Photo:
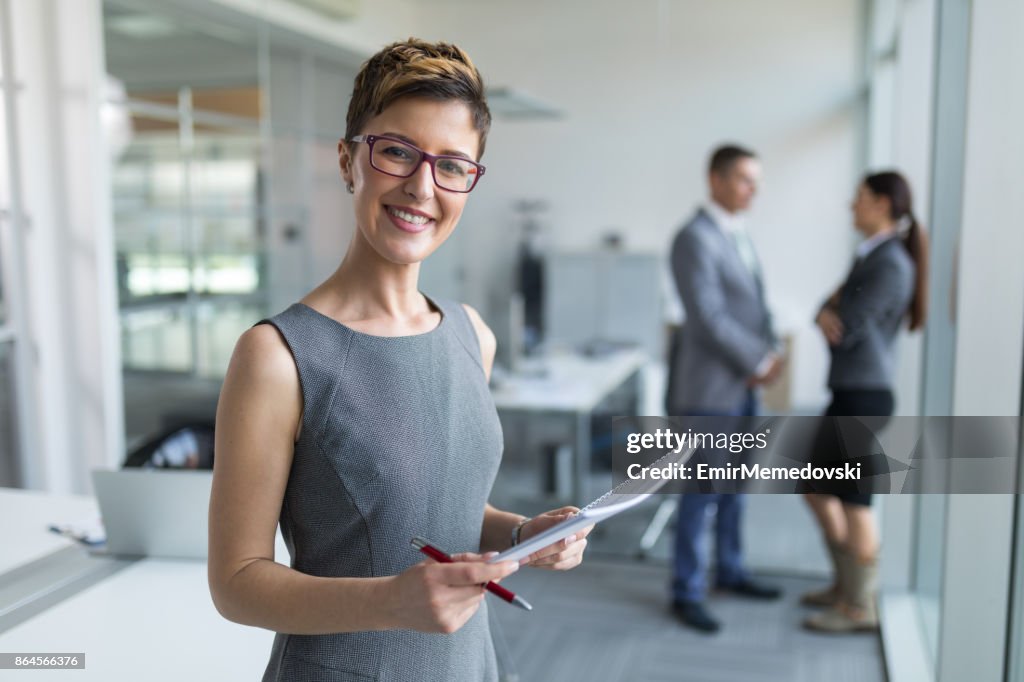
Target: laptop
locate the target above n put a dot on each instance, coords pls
(154, 512)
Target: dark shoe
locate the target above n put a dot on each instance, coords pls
(752, 589)
(694, 615)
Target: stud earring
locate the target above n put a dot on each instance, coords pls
(351, 188)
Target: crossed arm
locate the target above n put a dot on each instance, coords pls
(847, 317)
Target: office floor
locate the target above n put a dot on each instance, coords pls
(607, 621)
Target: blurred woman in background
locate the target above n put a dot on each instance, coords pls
(860, 321)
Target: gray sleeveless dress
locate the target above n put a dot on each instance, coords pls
(400, 437)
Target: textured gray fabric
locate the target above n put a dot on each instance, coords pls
(872, 304)
(400, 437)
(728, 329)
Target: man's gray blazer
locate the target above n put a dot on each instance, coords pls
(728, 329)
(872, 304)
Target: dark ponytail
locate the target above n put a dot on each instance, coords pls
(894, 186)
(916, 243)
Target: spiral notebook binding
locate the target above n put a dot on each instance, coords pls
(615, 490)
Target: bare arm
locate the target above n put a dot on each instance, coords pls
(258, 417)
(488, 344)
(496, 533)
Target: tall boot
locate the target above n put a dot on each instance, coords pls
(856, 609)
(828, 596)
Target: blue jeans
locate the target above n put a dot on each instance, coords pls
(689, 580)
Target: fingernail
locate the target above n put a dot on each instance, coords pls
(513, 566)
(490, 555)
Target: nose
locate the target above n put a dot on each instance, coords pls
(420, 185)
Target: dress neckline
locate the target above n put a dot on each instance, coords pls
(356, 332)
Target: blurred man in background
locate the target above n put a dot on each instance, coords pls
(723, 351)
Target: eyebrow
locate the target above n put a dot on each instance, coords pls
(444, 152)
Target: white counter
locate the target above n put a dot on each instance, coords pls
(153, 620)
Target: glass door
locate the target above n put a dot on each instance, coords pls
(189, 203)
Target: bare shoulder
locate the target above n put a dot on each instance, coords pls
(488, 343)
(258, 414)
(262, 349)
(262, 377)
(483, 332)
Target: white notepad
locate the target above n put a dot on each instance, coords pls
(626, 495)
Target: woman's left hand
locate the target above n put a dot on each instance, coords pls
(831, 326)
(562, 555)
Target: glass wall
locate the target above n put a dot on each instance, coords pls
(227, 195)
(961, 587)
(1016, 633)
(946, 208)
(187, 187)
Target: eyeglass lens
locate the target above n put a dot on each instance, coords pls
(396, 158)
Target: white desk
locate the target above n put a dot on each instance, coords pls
(152, 620)
(27, 538)
(571, 385)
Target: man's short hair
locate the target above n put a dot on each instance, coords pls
(724, 157)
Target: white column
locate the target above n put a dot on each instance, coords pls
(989, 339)
(69, 283)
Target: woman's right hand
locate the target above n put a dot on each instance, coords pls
(436, 597)
(831, 326)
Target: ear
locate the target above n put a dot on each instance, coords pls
(345, 161)
(884, 204)
(714, 182)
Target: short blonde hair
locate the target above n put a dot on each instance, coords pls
(416, 68)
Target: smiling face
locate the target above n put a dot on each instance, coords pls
(404, 220)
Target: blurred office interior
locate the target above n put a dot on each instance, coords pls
(170, 178)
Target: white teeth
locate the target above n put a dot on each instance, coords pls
(407, 217)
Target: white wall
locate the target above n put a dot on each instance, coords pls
(648, 89)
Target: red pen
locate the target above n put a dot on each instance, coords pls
(494, 588)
